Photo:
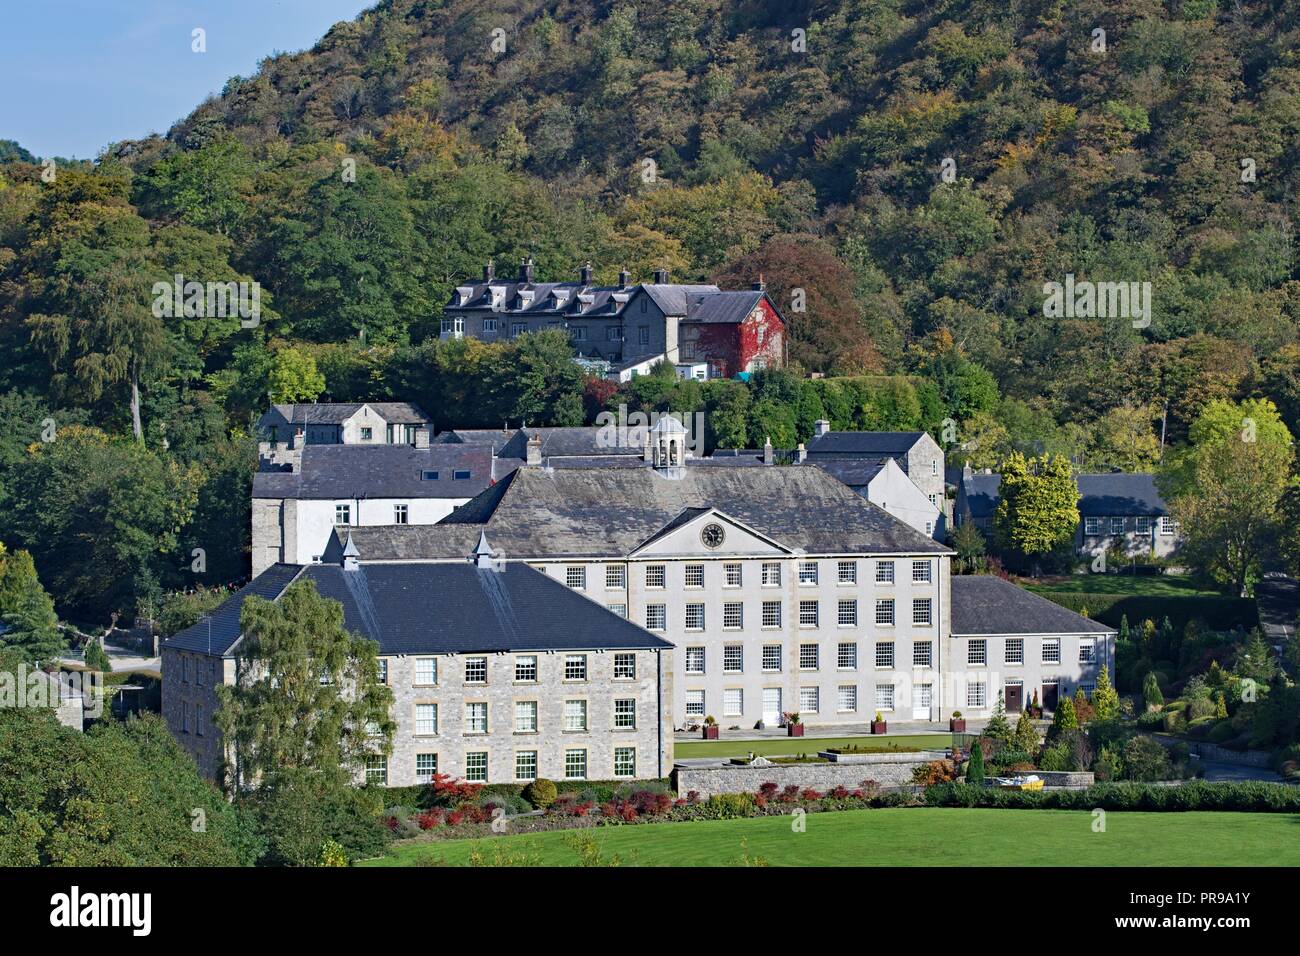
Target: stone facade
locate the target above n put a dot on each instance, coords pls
(888, 770)
(1054, 666)
(189, 699)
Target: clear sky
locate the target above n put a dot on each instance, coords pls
(76, 75)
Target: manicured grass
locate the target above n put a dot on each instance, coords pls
(788, 746)
(1154, 585)
(902, 837)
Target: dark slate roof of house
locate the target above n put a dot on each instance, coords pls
(442, 608)
(674, 299)
(590, 441)
(380, 471)
(608, 512)
(856, 473)
(985, 604)
(864, 444)
(334, 413)
(726, 307)
(219, 631)
(1119, 494)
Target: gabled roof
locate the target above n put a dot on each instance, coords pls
(725, 307)
(985, 604)
(1119, 494)
(335, 413)
(495, 437)
(589, 441)
(865, 444)
(444, 608)
(608, 512)
(674, 299)
(691, 514)
(218, 632)
(856, 473)
(381, 471)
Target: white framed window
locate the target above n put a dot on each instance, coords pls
(732, 575)
(377, 770)
(426, 765)
(695, 617)
(885, 611)
(771, 574)
(1092, 526)
(426, 671)
(977, 694)
(847, 613)
(476, 766)
(846, 572)
(655, 575)
(808, 613)
(733, 615)
(575, 765)
(476, 670)
(476, 718)
(575, 576)
(575, 715)
(934, 466)
(526, 669)
(619, 609)
(733, 659)
(695, 703)
(625, 666)
(1052, 651)
(625, 712)
(383, 670)
(809, 657)
(771, 657)
(733, 702)
(694, 575)
(625, 761)
(615, 576)
(695, 660)
(1143, 524)
(921, 611)
(771, 613)
(525, 716)
(518, 328)
(922, 653)
(920, 572)
(807, 572)
(426, 719)
(1087, 651)
(934, 500)
(977, 653)
(489, 325)
(884, 697)
(575, 666)
(342, 514)
(526, 765)
(1116, 525)
(884, 572)
(656, 617)
(400, 513)
(846, 698)
(810, 699)
(929, 528)
(1015, 650)
(1168, 525)
(885, 654)
(846, 656)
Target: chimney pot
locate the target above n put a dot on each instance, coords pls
(768, 455)
(534, 454)
(624, 278)
(584, 274)
(821, 427)
(661, 277)
(422, 437)
(526, 269)
(801, 453)
(489, 271)
(760, 285)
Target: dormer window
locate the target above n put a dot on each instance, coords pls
(497, 297)
(526, 297)
(560, 298)
(463, 294)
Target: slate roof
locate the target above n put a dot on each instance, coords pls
(441, 608)
(985, 604)
(674, 299)
(608, 512)
(335, 413)
(566, 443)
(1117, 494)
(380, 471)
(856, 473)
(727, 307)
(864, 444)
(221, 629)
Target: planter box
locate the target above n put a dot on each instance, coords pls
(711, 733)
(879, 726)
(957, 726)
(794, 730)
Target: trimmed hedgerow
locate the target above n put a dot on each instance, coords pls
(422, 796)
(1220, 613)
(1248, 796)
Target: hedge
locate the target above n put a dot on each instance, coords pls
(1219, 613)
(1249, 796)
(421, 795)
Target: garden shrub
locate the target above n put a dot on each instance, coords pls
(1249, 796)
(541, 793)
(1222, 732)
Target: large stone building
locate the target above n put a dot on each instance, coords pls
(626, 326)
(342, 423)
(499, 674)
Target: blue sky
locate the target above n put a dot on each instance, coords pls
(77, 75)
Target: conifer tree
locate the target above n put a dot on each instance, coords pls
(1151, 694)
(998, 727)
(1026, 738)
(975, 769)
(1065, 717)
(1105, 700)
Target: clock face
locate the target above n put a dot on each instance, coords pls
(712, 535)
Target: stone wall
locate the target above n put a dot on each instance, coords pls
(1208, 751)
(888, 770)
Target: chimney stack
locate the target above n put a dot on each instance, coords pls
(966, 469)
(821, 427)
(661, 277)
(526, 269)
(489, 271)
(624, 278)
(760, 285)
(534, 450)
(768, 456)
(584, 274)
(351, 556)
(801, 454)
(422, 437)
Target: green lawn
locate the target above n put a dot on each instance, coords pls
(1155, 585)
(901, 837)
(783, 746)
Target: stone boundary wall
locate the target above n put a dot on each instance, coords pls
(888, 770)
(1209, 751)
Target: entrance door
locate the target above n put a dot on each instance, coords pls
(771, 706)
(922, 701)
(1049, 696)
(1015, 698)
